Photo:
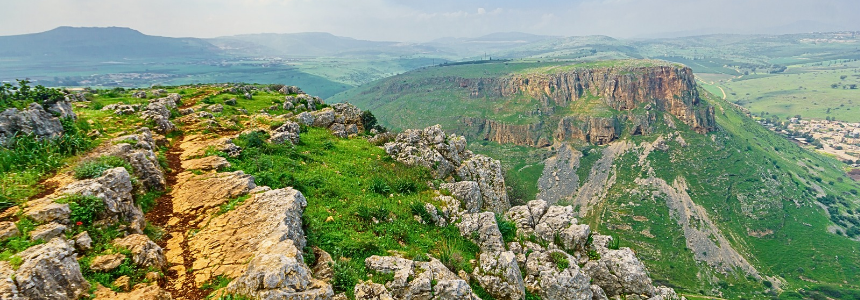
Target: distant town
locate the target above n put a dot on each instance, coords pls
(840, 139)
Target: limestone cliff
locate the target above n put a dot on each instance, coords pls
(666, 89)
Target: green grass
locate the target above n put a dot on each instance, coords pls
(84, 209)
(25, 160)
(95, 168)
(337, 183)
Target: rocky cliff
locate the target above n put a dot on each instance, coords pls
(667, 89)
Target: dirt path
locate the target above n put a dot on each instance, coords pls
(724, 92)
(176, 226)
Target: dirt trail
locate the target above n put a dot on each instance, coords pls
(724, 92)
(176, 226)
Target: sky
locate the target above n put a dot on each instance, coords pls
(425, 20)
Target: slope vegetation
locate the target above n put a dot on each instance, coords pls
(718, 204)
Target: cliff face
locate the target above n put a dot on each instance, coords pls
(664, 88)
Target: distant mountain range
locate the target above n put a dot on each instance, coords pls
(101, 44)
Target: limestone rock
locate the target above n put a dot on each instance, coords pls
(347, 114)
(598, 293)
(487, 172)
(545, 278)
(414, 279)
(144, 252)
(83, 241)
(429, 148)
(665, 293)
(47, 232)
(289, 132)
(139, 94)
(7, 230)
(619, 272)
(371, 291)
(231, 101)
(453, 289)
(114, 188)
(206, 163)
(279, 273)
(139, 150)
(499, 274)
(8, 290)
(556, 219)
(63, 109)
(158, 111)
(50, 271)
(216, 108)
(150, 292)
(230, 240)
(219, 187)
(105, 263)
(46, 210)
(323, 269)
(32, 120)
(338, 130)
(323, 118)
(483, 227)
(468, 193)
(305, 118)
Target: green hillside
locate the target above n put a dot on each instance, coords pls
(791, 214)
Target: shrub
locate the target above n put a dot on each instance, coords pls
(614, 244)
(560, 260)
(593, 255)
(95, 168)
(507, 228)
(344, 276)
(85, 209)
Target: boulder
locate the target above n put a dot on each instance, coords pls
(323, 118)
(231, 101)
(338, 130)
(279, 273)
(8, 230)
(347, 113)
(414, 279)
(554, 281)
(368, 290)
(46, 210)
(149, 292)
(47, 232)
(556, 219)
(468, 193)
(63, 109)
(499, 274)
(619, 272)
(487, 172)
(429, 148)
(83, 241)
(8, 290)
(144, 252)
(216, 108)
(158, 112)
(139, 150)
(323, 267)
(305, 118)
(287, 133)
(482, 229)
(50, 271)
(33, 120)
(105, 263)
(139, 95)
(206, 163)
(114, 188)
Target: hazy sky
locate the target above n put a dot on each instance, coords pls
(413, 20)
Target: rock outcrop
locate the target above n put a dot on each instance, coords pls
(48, 271)
(139, 151)
(158, 112)
(114, 188)
(34, 120)
(447, 156)
(415, 280)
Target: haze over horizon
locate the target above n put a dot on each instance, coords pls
(418, 21)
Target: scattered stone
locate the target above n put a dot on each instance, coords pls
(144, 252)
(206, 163)
(367, 290)
(47, 232)
(83, 241)
(216, 108)
(123, 283)
(139, 95)
(7, 230)
(289, 132)
(32, 120)
(231, 101)
(305, 118)
(186, 111)
(322, 269)
(105, 263)
(50, 269)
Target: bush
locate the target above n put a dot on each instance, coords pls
(22, 95)
(345, 276)
(560, 260)
(507, 228)
(95, 168)
(85, 209)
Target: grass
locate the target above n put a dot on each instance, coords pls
(25, 160)
(95, 168)
(560, 260)
(342, 207)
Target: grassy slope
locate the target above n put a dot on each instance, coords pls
(745, 163)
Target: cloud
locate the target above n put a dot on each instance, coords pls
(419, 20)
